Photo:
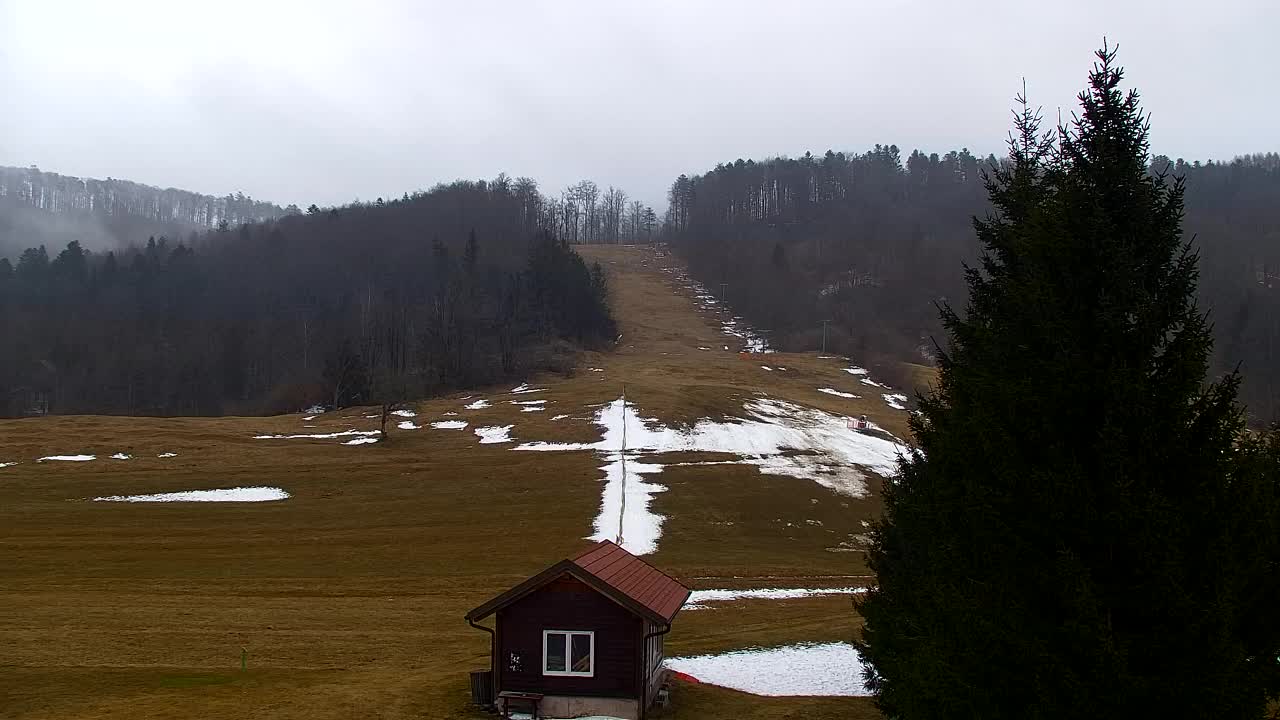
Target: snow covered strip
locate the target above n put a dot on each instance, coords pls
(699, 598)
(236, 494)
(318, 436)
(808, 669)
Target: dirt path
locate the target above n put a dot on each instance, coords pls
(348, 595)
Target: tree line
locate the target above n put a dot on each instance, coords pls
(870, 243)
(365, 303)
(44, 208)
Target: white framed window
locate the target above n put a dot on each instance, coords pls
(569, 653)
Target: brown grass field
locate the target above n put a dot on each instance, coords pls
(348, 597)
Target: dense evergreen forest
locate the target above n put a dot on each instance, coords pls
(870, 243)
(365, 303)
(44, 208)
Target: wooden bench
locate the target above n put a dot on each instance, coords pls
(506, 696)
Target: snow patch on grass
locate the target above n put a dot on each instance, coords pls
(7, 464)
(318, 436)
(404, 413)
(477, 405)
(837, 393)
(779, 438)
(408, 425)
(494, 434)
(766, 367)
(236, 494)
(810, 669)
(362, 441)
(524, 389)
(67, 458)
(698, 598)
(121, 456)
(167, 455)
(856, 371)
(449, 425)
(897, 401)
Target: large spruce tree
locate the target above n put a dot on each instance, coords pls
(1085, 530)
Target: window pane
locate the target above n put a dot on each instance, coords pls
(581, 653)
(555, 652)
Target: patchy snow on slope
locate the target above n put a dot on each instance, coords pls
(527, 402)
(309, 418)
(478, 405)
(596, 369)
(752, 341)
(810, 669)
(7, 464)
(698, 599)
(856, 371)
(404, 413)
(167, 455)
(525, 389)
(236, 494)
(121, 456)
(766, 367)
(450, 425)
(494, 434)
(873, 383)
(67, 458)
(897, 401)
(779, 438)
(362, 441)
(559, 417)
(837, 393)
(318, 436)
(408, 425)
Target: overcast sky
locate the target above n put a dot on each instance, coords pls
(327, 102)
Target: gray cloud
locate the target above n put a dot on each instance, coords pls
(325, 102)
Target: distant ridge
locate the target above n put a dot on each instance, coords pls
(45, 208)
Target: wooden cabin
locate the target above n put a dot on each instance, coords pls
(584, 636)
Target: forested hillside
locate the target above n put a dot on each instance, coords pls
(43, 208)
(870, 243)
(357, 304)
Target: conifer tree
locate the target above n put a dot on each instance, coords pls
(1084, 530)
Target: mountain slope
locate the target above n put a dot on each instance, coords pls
(349, 595)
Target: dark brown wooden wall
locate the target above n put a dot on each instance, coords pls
(568, 604)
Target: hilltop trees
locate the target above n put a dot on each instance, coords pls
(363, 304)
(1082, 531)
(43, 208)
(874, 239)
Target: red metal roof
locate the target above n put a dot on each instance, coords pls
(633, 577)
(611, 571)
